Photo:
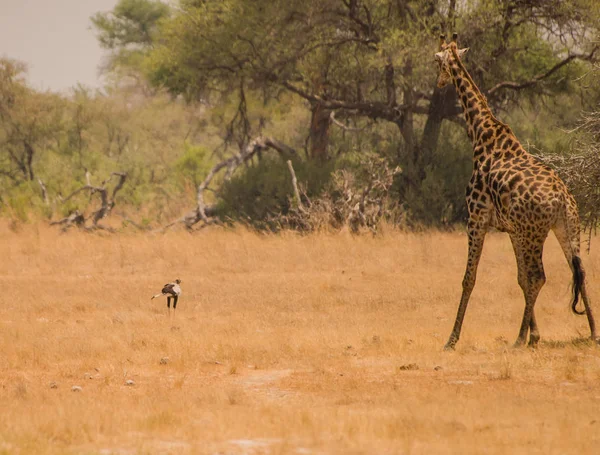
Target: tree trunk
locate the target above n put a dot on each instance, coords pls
(443, 105)
(320, 122)
(29, 160)
(408, 133)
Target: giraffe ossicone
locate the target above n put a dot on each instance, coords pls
(514, 192)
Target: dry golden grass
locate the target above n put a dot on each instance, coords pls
(285, 344)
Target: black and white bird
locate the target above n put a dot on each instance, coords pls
(171, 291)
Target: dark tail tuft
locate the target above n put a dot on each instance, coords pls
(578, 277)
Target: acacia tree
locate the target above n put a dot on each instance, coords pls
(128, 32)
(581, 169)
(370, 58)
(30, 121)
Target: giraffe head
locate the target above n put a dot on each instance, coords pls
(444, 56)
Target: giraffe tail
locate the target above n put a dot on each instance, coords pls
(578, 278)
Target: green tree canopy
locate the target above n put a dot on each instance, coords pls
(128, 31)
(372, 58)
(361, 61)
(30, 122)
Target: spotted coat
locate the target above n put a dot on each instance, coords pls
(514, 192)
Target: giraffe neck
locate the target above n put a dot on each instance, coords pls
(478, 115)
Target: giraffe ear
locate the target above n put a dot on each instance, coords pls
(439, 56)
(462, 52)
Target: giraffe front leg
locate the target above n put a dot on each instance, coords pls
(476, 237)
(534, 334)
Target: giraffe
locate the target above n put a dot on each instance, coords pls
(514, 192)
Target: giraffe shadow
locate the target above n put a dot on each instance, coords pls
(577, 342)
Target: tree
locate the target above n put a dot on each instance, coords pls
(581, 170)
(367, 66)
(371, 58)
(128, 32)
(30, 122)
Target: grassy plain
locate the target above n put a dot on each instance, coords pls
(325, 344)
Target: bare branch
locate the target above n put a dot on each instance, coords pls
(74, 219)
(202, 212)
(355, 199)
(580, 170)
(122, 177)
(540, 77)
(295, 185)
(44, 191)
(375, 109)
(106, 204)
(344, 127)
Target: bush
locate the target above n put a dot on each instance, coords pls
(263, 190)
(439, 199)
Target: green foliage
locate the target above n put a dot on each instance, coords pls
(194, 164)
(129, 30)
(131, 22)
(30, 122)
(57, 139)
(440, 199)
(18, 201)
(264, 190)
(222, 52)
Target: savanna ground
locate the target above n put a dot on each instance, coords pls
(324, 344)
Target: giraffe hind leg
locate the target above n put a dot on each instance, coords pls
(531, 280)
(534, 334)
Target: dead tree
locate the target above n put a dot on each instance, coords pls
(75, 218)
(44, 191)
(107, 203)
(297, 199)
(580, 170)
(206, 213)
(358, 200)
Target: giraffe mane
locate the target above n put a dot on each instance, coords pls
(480, 96)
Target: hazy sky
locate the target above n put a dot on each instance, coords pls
(55, 40)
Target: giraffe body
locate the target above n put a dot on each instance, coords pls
(516, 193)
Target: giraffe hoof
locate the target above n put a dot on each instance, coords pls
(449, 347)
(533, 341)
(519, 344)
